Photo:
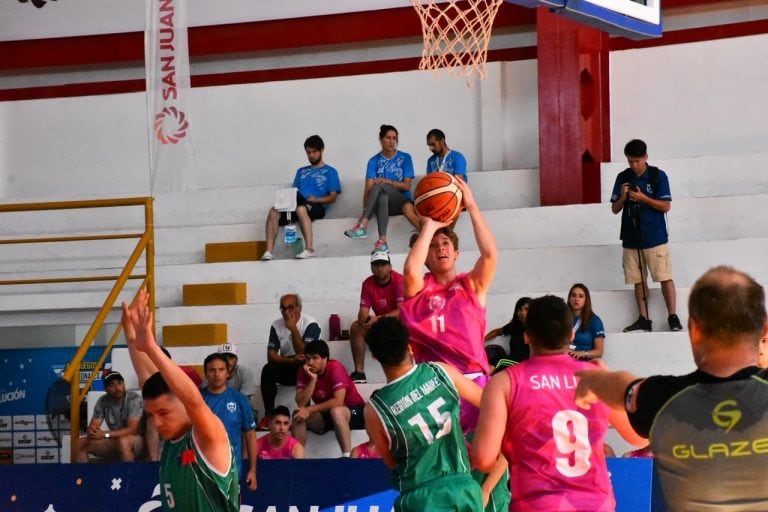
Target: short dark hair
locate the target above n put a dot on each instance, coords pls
(388, 340)
(214, 357)
(436, 133)
(549, 323)
(635, 148)
(314, 142)
(281, 410)
(728, 304)
(317, 348)
(383, 129)
(154, 387)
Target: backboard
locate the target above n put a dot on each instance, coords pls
(634, 19)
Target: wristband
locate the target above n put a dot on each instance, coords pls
(629, 394)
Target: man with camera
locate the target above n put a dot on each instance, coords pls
(641, 193)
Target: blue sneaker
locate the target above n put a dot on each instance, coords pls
(357, 233)
(380, 246)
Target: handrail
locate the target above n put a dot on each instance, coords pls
(144, 245)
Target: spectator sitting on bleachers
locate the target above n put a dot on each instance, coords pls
(588, 332)
(387, 189)
(444, 159)
(515, 329)
(366, 450)
(234, 411)
(288, 336)
(326, 398)
(381, 292)
(240, 377)
(318, 186)
(122, 411)
(279, 443)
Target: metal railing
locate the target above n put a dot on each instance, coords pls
(144, 245)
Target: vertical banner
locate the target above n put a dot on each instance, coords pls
(166, 57)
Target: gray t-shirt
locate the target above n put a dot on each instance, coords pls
(116, 413)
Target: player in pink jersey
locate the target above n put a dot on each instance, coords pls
(554, 448)
(278, 443)
(444, 310)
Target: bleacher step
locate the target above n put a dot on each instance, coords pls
(214, 294)
(194, 334)
(221, 252)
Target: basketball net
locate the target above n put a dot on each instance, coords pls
(456, 37)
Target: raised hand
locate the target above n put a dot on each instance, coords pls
(137, 322)
(468, 199)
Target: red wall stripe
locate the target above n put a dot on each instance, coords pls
(236, 38)
(512, 54)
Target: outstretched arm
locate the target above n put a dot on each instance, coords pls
(481, 276)
(142, 364)
(209, 431)
(602, 385)
(491, 424)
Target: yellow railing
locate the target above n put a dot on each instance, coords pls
(145, 245)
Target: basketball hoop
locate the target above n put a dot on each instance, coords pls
(456, 37)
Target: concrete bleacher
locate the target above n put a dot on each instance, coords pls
(541, 250)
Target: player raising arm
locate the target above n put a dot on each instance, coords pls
(444, 310)
(197, 470)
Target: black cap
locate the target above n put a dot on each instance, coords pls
(112, 374)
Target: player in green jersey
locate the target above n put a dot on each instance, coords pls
(414, 422)
(197, 470)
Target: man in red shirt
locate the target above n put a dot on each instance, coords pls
(382, 293)
(326, 398)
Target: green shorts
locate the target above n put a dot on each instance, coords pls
(453, 493)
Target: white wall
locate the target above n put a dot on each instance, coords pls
(693, 99)
(684, 100)
(248, 135)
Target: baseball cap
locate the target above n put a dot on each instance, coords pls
(112, 374)
(228, 348)
(379, 256)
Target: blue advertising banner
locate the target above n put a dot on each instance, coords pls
(313, 485)
(28, 373)
(26, 376)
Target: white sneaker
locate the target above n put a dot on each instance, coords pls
(266, 256)
(306, 253)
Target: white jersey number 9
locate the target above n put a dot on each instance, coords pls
(571, 433)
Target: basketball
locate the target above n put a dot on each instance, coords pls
(438, 197)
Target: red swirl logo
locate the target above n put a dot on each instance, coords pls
(171, 125)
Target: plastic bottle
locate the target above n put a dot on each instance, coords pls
(290, 234)
(334, 327)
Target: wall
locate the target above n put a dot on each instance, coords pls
(693, 99)
(247, 135)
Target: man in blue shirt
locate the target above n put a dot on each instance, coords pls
(641, 193)
(318, 186)
(234, 410)
(444, 158)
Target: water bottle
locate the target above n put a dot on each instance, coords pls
(334, 327)
(290, 234)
